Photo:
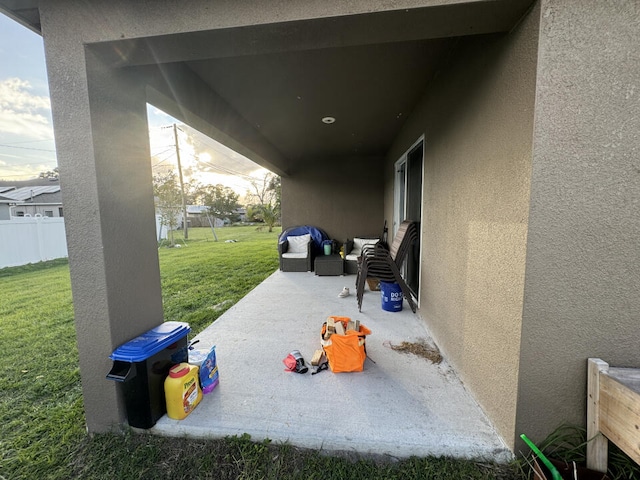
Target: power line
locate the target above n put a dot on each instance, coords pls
(171, 145)
(171, 149)
(216, 147)
(227, 170)
(205, 141)
(27, 148)
(31, 141)
(220, 168)
(159, 163)
(224, 169)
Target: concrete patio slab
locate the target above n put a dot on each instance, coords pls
(400, 405)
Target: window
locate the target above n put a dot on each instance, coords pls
(48, 213)
(60, 212)
(19, 213)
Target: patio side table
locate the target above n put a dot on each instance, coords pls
(329, 265)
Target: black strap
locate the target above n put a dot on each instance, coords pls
(321, 367)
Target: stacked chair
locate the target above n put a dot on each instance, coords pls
(378, 262)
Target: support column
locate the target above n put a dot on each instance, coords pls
(104, 159)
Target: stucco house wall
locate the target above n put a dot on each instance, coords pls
(558, 272)
(343, 196)
(583, 257)
(477, 119)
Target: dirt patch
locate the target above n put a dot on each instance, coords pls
(421, 349)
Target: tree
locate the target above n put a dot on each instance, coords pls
(266, 199)
(267, 214)
(166, 190)
(51, 175)
(194, 192)
(275, 186)
(221, 201)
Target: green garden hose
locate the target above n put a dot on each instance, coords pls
(555, 474)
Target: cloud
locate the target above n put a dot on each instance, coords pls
(22, 113)
(9, 171)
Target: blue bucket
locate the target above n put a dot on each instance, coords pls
(391, 294)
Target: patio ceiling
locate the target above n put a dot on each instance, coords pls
(369, 90)
(367, 71)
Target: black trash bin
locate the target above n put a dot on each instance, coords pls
(141, 366)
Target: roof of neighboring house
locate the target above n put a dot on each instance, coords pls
(196, 209)
(26, 193)
(6, 189)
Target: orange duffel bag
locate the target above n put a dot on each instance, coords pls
(345, 353)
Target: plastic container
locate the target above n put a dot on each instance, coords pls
(327, 245)
(182, 390)
(141, 365)
(196, 357)
(391, 295)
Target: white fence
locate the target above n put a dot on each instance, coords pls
(31, 240)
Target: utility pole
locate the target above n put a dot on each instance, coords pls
(184, 203)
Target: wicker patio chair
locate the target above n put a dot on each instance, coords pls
(296, 254)
(385, 265)
(353, 250)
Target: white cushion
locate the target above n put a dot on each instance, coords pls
(351, 258)
(298, 244)
(359, 243)
(294, 255)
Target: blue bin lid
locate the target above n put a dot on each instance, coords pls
(151, 342)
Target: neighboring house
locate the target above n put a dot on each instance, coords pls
(5, 210)
(197, 217)
(196, 211)
(241, 212)
(507, 128)
(31, 201)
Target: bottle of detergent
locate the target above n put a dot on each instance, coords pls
(182, 390)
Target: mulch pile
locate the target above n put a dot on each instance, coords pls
(421, 349)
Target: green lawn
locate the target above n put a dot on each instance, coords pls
(42, 431)
(203, 278)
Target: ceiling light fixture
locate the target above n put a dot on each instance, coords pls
(328, 120)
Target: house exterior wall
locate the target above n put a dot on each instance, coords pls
(343, 196)
(477, 119)
(46, 210)
(46, 202)
(5, 212)
(583, 261)
(41, 205)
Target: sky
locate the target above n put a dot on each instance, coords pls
(27, 144)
